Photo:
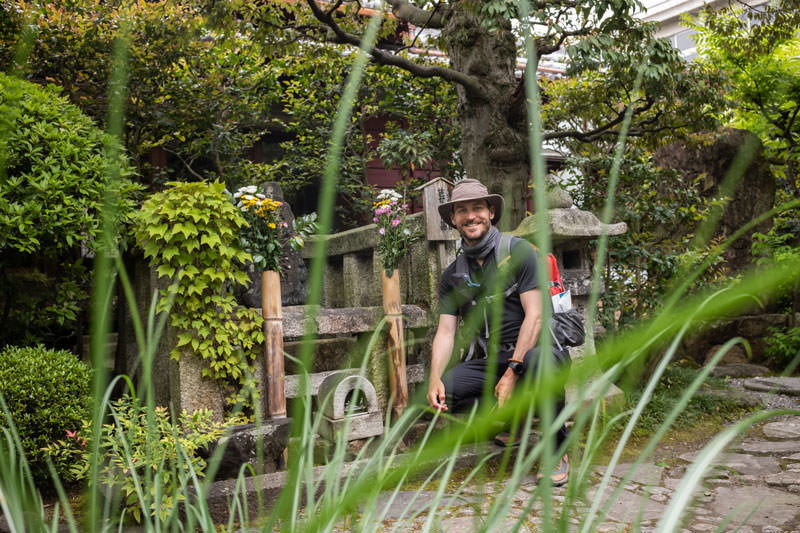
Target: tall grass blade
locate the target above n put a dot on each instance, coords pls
(103, 273)
(288, 500)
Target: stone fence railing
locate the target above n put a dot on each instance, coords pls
(352, 276)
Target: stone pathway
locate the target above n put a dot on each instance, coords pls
(756, 481)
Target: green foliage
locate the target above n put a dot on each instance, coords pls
(783, 346)
(137, 444)
(53, 182)
(422, 109)
(703, 406)
(55, 172)
(198, 97)
(661, 210)
(406, 150)
(190, 233)
(47, 394)
(759, 53)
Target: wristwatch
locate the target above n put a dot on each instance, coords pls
(516, 367)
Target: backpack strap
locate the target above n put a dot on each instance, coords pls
(502, 254)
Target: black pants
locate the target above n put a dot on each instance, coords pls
(463, 384)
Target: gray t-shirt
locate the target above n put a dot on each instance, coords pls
(455, 294)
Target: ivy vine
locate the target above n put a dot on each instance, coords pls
(190, 233)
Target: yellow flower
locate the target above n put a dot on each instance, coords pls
(272, 225)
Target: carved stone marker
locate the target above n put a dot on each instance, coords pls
(349, 400)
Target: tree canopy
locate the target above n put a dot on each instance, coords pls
(759, 52)
(607, 48)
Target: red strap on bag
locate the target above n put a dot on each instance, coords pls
(556, 285)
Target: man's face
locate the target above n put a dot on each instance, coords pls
(472, 219)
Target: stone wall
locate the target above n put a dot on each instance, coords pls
(705, 165)
(353, 272)
(753, 328)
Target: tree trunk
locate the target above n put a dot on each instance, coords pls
(493, 130)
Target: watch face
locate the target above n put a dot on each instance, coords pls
(515, 367)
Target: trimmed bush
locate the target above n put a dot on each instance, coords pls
(47, 394)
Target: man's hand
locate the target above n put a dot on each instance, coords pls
(436, 397)
(504, 387)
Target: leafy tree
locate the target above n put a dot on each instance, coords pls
(608, 47)
(199, 96)
(53, 179)
(759, 52)
(310, 90)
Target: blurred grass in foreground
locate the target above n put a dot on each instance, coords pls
(346, 495)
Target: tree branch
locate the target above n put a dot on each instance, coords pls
(407, 11)
(605, 129)
(471, 84)
(182, 160)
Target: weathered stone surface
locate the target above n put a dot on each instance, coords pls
(784, 479)
(774, 507)
(778, 385)
(740, 370)
(645, 474)
(785, 429)
(191, 391)
(328, 354)
(241, 447)
(569, 224)
(741, 464)
(343, 321)
(754, 326)
(754, 195)
(414, 374)
(558, 198)
(335, 390)
(734, 356)
(627, 506)
(769, 447)
(393, 506)
(361, 426)
(737, 396)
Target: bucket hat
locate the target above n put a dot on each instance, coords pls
(467, 190)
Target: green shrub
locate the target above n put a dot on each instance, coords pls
(124, 442)
(47, 395)
(783, 346)
(53, 180)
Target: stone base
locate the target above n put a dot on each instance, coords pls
(241, 447)
(362, 426)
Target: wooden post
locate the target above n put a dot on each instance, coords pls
(395, 347)
(273, 342)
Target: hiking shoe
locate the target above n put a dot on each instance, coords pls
(505, 439)
(560, 474)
